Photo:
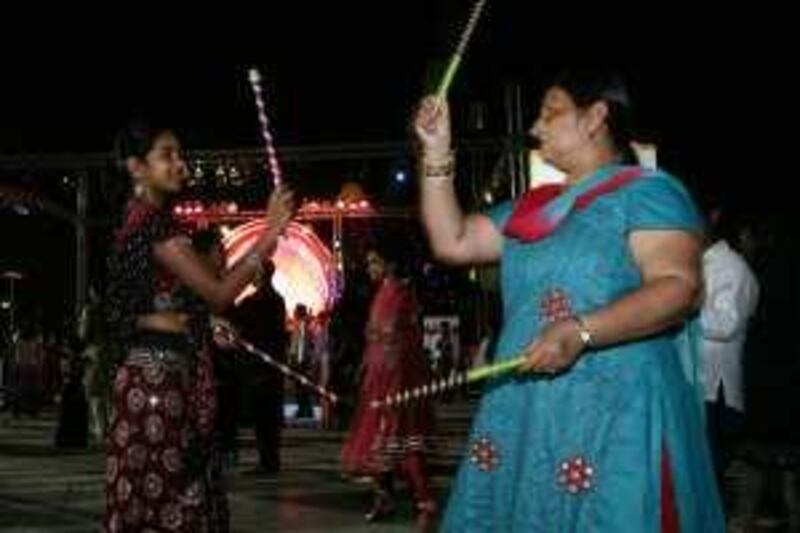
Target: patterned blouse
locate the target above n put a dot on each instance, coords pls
(138, 284)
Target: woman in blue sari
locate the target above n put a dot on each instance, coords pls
(602, 431)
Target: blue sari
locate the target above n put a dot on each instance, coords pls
(586, 450)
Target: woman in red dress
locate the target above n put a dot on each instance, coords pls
(385, 441)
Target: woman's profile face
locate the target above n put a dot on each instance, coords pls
(163, 169)
(559, 128)
(376, 266)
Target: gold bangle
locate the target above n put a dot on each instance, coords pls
(438, 179)
(439, 169)
(447, 169)
(449, 157)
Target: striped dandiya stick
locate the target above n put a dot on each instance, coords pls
(269, 144)
(285, 369)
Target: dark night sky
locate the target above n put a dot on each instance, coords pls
(350, 71)
(709, 88)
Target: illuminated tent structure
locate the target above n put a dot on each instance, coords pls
(304, 267)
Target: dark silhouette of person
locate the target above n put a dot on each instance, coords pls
(261, 320)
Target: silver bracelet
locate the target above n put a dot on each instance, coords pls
(254, 258)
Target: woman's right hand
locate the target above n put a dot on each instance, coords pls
(432, 126)
(280, 208)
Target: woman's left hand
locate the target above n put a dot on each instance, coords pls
(556, 350)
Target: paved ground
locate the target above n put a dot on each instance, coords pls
(50, 490)
(47, 490)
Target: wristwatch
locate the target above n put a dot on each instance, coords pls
(583, 332)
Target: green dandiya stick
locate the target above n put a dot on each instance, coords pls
(447, 79)
(457, 379)
(494, 370)
(455, 60)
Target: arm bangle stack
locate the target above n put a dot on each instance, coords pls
(439, 171)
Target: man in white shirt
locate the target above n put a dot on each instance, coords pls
(731, 296)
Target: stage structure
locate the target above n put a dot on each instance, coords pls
(226, 183)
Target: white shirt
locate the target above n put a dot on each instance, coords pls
(731, 296)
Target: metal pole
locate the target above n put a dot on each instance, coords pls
(520, 150)
(510, 127)
(81, 243)
(338, 252)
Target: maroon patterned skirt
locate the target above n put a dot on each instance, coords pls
(161, 472)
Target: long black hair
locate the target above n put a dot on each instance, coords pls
(204, 240)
